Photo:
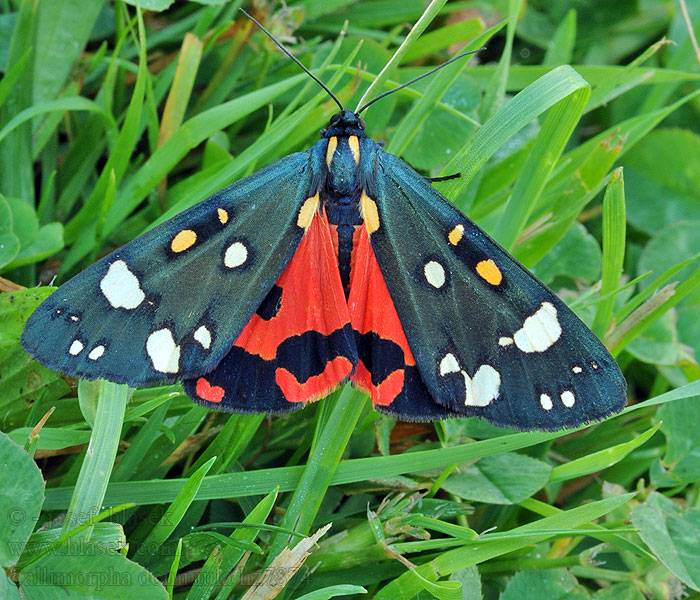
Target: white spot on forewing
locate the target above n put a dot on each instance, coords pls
(236, 254)
(96, 352)
(434, 273)
(76, 347)
(539, 331)
(121, 287)
(484, 386)
(163, 352)
(546, 402)
(505, 341)
(203, 336)
(449, 364)
(568, 399)
(576, 370)
(74, 318)
(479, 390)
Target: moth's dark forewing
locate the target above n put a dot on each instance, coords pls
(489, 339)
(169, 304)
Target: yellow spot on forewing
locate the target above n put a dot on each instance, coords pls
(307, 211)
(456, 234)
(223, 215)
(488, 270)
(330, 151)
(370, 214)
(354, 144)
(183, 240)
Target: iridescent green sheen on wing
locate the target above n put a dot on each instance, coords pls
(170, 304)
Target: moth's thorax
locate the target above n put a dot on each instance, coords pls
(342, 162)
(341, 193)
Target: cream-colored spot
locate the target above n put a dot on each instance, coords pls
(505, 341)
(479, 390)
(370, 214)
(354, 144)
(203, 336)
(568, 399)
(539, 331)
(488, 271)
(546, 402)
(576, 370)
(121, 287)
(449, 364)
(594, 365)
(223, 216)
(183, 240)
(307, 211)
(96, 352)
(456, 234)
(74, 318)
(330, 150)
(76, 347)
(434, 273)
(163, 352)
(484, 386)
(236, 254)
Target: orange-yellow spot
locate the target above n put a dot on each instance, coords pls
(488, 270)
(456, 234)
(354, 144)
(330, 151)
(223, 215)
(370, 214)
(183, 240)
(307, 211)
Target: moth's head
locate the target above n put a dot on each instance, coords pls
(345, 123)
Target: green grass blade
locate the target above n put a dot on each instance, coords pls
(646, 315)
(327, 450)
(418, 28)
(173, 515)
(599, 460)
(495, 91)
(438, 86)
(558, 126)
(446, 563)
(614, 228)
(561, 47)
(219, 564)
(533, 101)
(88, 494)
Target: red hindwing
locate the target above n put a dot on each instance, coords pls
(312, 299)
(372, 311)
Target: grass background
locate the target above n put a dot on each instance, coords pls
(577, 136)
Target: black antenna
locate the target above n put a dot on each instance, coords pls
(396, 89)
(290, 55)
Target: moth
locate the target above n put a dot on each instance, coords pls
(340, 263)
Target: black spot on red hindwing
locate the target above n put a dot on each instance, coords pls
(307, 355)
(380, 356)
(271, 305)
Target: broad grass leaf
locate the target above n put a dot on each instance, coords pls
(577, 255)
(552, 584)
(672, 534)
(659, 344)
(89, 571)
(20, 499)
(662, 175)
(681, 463)
(669, 246)
(443, 132)
(505, 478)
